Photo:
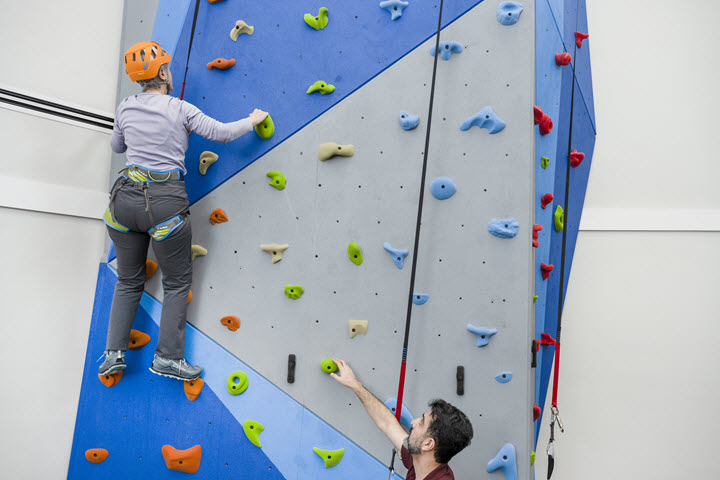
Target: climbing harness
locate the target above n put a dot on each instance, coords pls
(192, 34)
(403, 364)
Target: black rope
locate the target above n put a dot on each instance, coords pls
(192, 34)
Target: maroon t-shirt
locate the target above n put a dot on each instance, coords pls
(442, 472)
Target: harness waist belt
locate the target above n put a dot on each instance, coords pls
(143, 175)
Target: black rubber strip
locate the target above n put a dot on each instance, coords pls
(55, 113)
(28, 98)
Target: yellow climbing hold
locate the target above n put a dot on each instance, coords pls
(275, 250)
(319, 21)
(198, 251)
(328, 150)
(239, 28)
(330, 457)
(252, 431)
(357, 327)
(206, 159)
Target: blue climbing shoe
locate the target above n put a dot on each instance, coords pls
(179, 369)
(114, 362)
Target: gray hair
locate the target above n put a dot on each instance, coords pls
(153, 83)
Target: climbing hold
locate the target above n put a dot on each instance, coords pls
(562, 59)
(505, 461)
(328, 365)
(215, 1)
(579, 37)
(252, 431)
(111, 380)
(446, 49)
(576, 158)
(138, 339)
(537, 114)
(544, 162)
(559, 218)
(237, 382)
(275, 250)
(535, 299)
(266, 128)
(503, 377)
(197, 251)
(546, 124)
(291, 368)
(483, 334)
(277, 179)
(189, 297)
(398, 256)
(546, 199)
(293, 291)
(150, 269)
(240, 28)
(407, 121)
(317, 22)
(508, 13)
(420, 298)
(322, 87)
(485, 118)
(406, 417)
(330, 457)
(546, 269)
(395, 7)
(231, 322)
(221, 64)
(357, 327)
(536, 235)
(355, 253)
(218, 216)
(328, 150)
(460, 379)
(187, 461)
(207, 158)
(96, 455)
(193, 388)
(532, 458)
(442, 188)
(536, 412)
(506, 228)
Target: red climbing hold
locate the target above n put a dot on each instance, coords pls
(536, 228)
(546, 199)
(538, 113)
(576, 158)
(546, 269)
(536, 412)
(546, 124)
(562, 59)
(579, 37)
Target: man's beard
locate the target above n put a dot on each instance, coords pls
(413, 448)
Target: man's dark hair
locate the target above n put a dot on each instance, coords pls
(450, 428)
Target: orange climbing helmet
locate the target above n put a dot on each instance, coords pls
(143, 60)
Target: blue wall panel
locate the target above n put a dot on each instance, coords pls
(583, 72)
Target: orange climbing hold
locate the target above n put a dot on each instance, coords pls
(189, 297)
(96, 455)
(111, 380)
(150, 269)
(138, 339)
(215, 1)
(187, 461)
(221, 64)
(193, 388)
(218, 216)
(231, 322)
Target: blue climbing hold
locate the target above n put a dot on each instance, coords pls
(405, 416)
(483, 334)
(507, 228)
(446, 49)
(442, 188)
(407, 121)
(420, 298)
(398, 256)
(485, 118)
(505, 461)
(395, 7)
(503, 377)
(508, 13)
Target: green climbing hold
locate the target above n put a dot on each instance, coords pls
(317, 22)
(237, 382)
(328, 366)
(293, 291)
(266, 128)
(544, 162)
(532, 458)
(355, 253)
(252, 431)
(559, 217)
(322, 87)
(277, 179)
(330, 457)
(535, 299)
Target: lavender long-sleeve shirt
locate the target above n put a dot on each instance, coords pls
(154, 129)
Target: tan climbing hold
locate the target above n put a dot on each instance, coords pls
(138, 339)
(187, 461)
(150, 269)
(231, 322)
(111, 380)
(193, 388)
(206, 159)
(275, 250)
(96, 455)
(328, 150)
(240, 27)
(218, 216)
(189, 297)
(357, 327)
(198, 251)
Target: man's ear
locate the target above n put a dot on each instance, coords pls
(163, 76)
(428, 444)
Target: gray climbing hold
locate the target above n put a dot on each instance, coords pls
(406, 417)
(398, 256)
(442, 188)
(483, 334)
(420, 298)
(446, 49)
(503, 377)
(508, 13)
(407, 121)
(485, 118)
(507, 228)
(206, 159)
(395, 7)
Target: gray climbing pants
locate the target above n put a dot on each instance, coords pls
(173, 253)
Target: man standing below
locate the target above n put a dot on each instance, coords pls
(436, 437)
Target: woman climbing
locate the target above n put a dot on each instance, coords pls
(148, 202)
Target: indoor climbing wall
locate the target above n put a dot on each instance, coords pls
(300, 237)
